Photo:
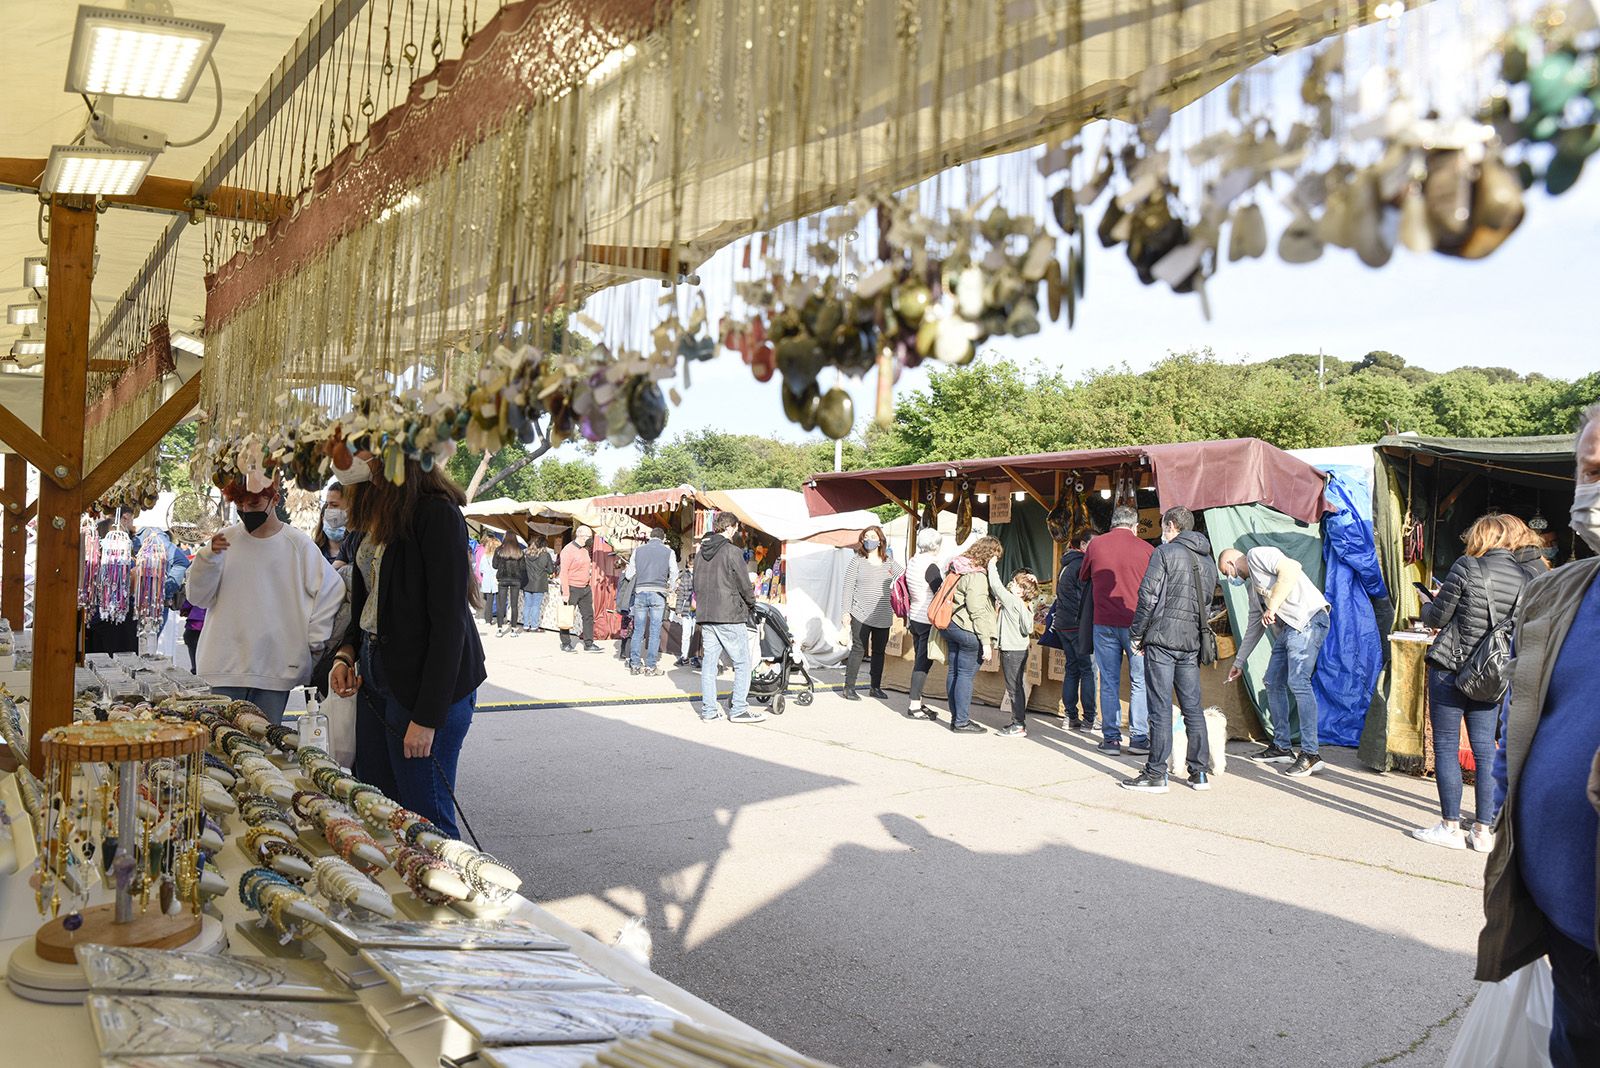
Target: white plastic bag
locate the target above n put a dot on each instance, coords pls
(1508, 1025)
(341, 713)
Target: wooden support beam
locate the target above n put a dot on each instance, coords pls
(1027, 487)
(51, 462)
(145, 437)
(911, 527)
(1057, 549)
(66, 367)
(173, 196)
(881, 488)
(1451, 498)
(655, 261)
(14, 540)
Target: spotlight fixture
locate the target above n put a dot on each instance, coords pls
(983, 498)
(188, 343)
(24, 314)
(95, 171)
(1018, 496)
(23, 347)
(130, 53)
(35, 275)
(1105, 495)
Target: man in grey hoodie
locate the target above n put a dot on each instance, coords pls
(724, 602)
(1174, 601)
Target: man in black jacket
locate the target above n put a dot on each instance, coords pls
(724, 602)
(1173, 602)
(1073, 621)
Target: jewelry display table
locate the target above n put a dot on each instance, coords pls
(417, 1035)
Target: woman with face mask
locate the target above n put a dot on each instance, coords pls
(867, 582)
(331, 525)
(270, 598)
(411, 649)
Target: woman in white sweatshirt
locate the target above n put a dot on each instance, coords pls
(270, 599)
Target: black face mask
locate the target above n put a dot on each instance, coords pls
(252, 520)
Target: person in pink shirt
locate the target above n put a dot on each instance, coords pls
(576, 572)
(1116, 562)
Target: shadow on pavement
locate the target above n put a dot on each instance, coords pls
(933, 949)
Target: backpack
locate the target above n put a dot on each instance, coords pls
(943, 608)
(900, 597)
(1486, 673)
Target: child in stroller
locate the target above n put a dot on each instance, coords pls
(769, 682)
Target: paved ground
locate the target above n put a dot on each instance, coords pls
(879, 891)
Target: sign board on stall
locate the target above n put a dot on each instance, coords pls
(1035, 667)
(1058, 665)
(999, 502)
(897, 639)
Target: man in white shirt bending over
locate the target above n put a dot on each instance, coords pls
(270, 598)
(1295, 613)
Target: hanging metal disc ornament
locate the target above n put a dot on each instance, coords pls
(836, 413)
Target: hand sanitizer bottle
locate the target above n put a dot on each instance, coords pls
(313, 722)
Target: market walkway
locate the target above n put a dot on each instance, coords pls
(879, 891)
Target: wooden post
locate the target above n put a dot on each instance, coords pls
(14, 538)
(1057, 549)
(912, 529)
(66, 369)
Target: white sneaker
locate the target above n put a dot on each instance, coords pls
(1440, 835)
(1481, 838)
(749, 715)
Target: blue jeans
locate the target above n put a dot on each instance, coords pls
(961, 667)
(1110, 644)
(1294, 661)
(1575, 1016)
(716, 639)
(1447, 706)
(648, 610)
(532, 606)
(1166, 670)
(422, 784)
(271, 702)
(1077, 684)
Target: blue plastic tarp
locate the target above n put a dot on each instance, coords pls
(1347, 671)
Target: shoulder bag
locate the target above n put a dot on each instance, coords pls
(943, 608)
(1486, 673)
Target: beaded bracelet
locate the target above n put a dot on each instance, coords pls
(272, 847)
(256, 835)
(280, 737)
(410, 864)
(311, 757)
(369, 803)
(256, 809)
(339, 881)
(344, 835)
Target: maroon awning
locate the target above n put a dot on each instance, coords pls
(1196, 475)
(647, 503)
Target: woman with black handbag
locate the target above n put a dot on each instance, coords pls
(1479, 598)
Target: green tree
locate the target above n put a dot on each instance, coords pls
(1465, 404)
(173, 455)
(1379, 404)
(712, 460)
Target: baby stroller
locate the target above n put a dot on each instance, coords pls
(769, 682)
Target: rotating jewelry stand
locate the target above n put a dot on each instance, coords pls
(46, 969)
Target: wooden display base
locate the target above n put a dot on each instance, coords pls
(149, 930)
(35, 979)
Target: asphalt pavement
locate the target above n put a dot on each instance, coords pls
(875, 890)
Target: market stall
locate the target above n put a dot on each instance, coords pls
(1243, 492)
(556, 520)
(1427, 491)
(797, 560)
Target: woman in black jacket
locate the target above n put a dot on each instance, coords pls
(1481, 589)
(540, 563)
(411, 627)
(1073, 623)
(511, 572)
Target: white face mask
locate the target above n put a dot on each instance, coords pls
(1586, 513)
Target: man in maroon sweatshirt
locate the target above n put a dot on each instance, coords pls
(1115, 562)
